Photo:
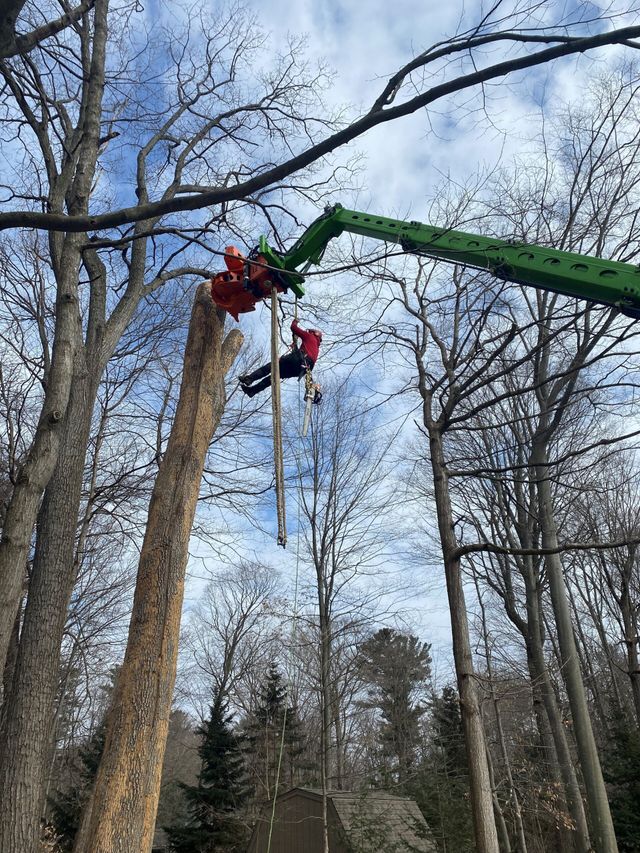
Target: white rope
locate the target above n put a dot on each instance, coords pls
(294, 627)
(277, 421)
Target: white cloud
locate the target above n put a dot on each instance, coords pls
(366, 43)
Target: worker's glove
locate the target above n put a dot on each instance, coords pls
(317, 397)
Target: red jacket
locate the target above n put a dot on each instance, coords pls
(310, 343)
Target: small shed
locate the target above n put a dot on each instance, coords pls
(358, 823)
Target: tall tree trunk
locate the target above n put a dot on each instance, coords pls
(326, 704)
(12, 655)
(501, 824)
(540, 677)
(27, 730)
(38, 467)
(562, 752)
(602, 831)
(340, 740)
(72, 188)
(586, 666)
(484, 824)
(513, 794)
(121, 815)
(631, 640)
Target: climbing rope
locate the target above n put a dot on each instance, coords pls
(277, 421)
(292, 645)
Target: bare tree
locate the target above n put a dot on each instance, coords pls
(607, 583)
(503, 509)
(88, 331)
(342, 493)
(68, 115)
(228, 629)
(451, 334)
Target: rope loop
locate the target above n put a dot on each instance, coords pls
(276, 411)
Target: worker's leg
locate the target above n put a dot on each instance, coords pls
(291, 365)
(252, 390)
(248, 378)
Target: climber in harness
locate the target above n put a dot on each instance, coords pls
(298, 362)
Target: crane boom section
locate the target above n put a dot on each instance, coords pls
(582, 276)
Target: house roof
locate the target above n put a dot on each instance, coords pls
(396, 820)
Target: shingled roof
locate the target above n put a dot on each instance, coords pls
(370, 820)
(399, 816)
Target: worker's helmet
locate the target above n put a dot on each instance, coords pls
(317, 333)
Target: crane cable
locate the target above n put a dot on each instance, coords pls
(294, 627)
(276, 411)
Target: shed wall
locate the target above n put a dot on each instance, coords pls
(297, 828)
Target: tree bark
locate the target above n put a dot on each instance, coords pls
(575, 806)
(485, 833)
(501, 824)
(631, 647)
(121, 816)
(326, 704)
(12, 654)
(602, 831)
(513, 793)
(71, 185)
(9, 11)
(40, 463)
(540, 677)
(27, 730)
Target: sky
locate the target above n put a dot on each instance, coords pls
(403, 162)
(366, 42)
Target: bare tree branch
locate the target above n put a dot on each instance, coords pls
(12, 44)
(378, 115)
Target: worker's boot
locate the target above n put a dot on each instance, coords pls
(260, 373)
(252, 390)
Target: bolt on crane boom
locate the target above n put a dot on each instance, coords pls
(249, 280)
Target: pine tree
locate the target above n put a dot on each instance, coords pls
(213, 804)
(622, 774)
(263, 736)
(66, 806)
(74, 781)
(396, 667)
(441, 786)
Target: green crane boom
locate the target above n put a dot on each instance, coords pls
(585, 277)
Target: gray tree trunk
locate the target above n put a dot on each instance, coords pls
(484, 824)
(24, 741)
(540, 677)
(71, 185)
(562, 752)
(513, 793)
(602, 831)
(631, 640)
(38, 467)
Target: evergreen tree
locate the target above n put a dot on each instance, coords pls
(622, 774)
(396, 667)
(72, 787)
(441, 786)
(263, 736)
(214, 824)
(66, 806)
